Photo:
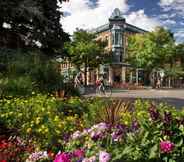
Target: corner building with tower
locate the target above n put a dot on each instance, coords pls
(116, 33)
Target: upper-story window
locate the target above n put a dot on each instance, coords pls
(116, 36)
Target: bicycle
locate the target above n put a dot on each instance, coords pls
(104, 90)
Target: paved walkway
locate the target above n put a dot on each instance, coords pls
(174, 97)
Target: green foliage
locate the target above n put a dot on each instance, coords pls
(29, 71)
(32, 21)
(86, 52)
(39, 118)
(108, 111)
(16, 86)
(151, 50)
(46, 122)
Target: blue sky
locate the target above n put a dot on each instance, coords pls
(146, 14)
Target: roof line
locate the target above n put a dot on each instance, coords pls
(136, 27)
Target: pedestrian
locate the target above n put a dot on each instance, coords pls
(158, 83)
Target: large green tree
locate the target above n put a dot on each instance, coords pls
(152, 49)
(31, 23)
(179, 53)
(85, 52)
(152, 52)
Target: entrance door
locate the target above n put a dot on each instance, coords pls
(117, 73)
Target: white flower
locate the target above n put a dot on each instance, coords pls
(6, 25)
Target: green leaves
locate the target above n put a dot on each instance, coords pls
(85, 50)
(153, 152)
(152, 49)
(32, 21)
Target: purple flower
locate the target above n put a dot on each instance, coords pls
(121, 127)
(166, 146)
(118, 132)
(154, 113)
(104, 156)
(62, 157)
(167, 132)
(167, 118)
(66, 137)
(98, 131)
(134, 125)
(117, 135)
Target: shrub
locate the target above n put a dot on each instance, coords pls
(38, 118)
(27, 71)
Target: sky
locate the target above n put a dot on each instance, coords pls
(146, 14)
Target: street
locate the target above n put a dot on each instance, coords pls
(174, 97)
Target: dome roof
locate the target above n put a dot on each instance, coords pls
(116, 14)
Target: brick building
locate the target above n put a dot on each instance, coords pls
(116, 32)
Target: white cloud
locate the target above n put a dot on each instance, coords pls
(140, 19)
(167, 16)
(179, 35)
(176, 5)
(182, 23)
(83, 16)
(166, 2)
(168, 22)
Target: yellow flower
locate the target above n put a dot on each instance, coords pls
(37, 120)
(126, 122)
(28, 130)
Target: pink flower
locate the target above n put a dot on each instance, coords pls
(62, 157)
(104, 156)
(166, 146)
(79, 153)
(76, 135)
(91, 159)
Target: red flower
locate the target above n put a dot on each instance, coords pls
(3, 161)
(4, 144)
(51, 154)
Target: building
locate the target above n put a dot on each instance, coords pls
(116, 32)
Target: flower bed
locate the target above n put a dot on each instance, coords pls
(96, 130)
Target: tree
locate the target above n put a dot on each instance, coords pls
(31, 23)
(179, 53)
(28, 71)
(152, 49)
(86, 52)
